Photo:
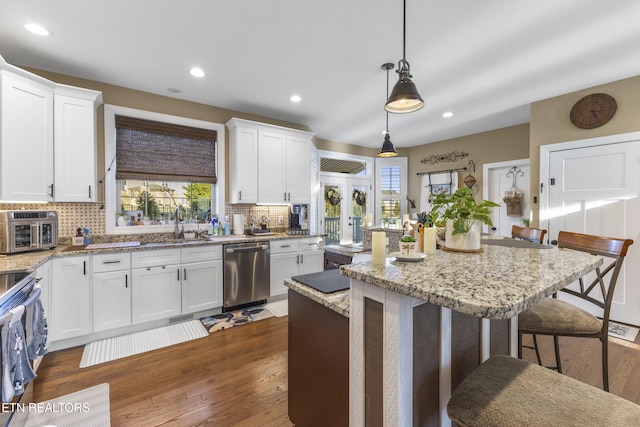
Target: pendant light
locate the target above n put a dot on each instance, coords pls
(404, 96)
(387, 149)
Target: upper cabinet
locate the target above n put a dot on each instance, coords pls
(268, 164)
(75, 144)
(26, 138)
(47, 139)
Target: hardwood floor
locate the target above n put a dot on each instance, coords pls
(238, 377)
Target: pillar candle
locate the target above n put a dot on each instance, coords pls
(369, 220)
(429, 240)
(405, 218)
(378, 247)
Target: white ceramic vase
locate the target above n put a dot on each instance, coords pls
(408, 248)
(467, 241)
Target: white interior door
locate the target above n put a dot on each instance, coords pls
(594, 190)
(500, 178)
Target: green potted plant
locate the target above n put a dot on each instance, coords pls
(462, 218)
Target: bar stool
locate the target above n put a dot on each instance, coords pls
(505, 391)
(560, 318)
(535, 235)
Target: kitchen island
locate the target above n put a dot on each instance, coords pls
(416, 330)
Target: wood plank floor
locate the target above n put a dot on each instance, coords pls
(238, 377)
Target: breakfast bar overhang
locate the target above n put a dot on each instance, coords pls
(417, 329)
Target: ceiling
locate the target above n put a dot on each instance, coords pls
(485, 61)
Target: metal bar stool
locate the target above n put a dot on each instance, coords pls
(560, 318)
(505, 391)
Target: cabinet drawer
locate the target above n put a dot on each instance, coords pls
(201, 254)
(111, 262)
(283, 246)
(310, 243)
(155, 258)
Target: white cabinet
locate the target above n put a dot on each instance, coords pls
(26, 138)
(155, 285)
(70, 298)
(43, 278)
(75, 144)
(111, 283)
(201, 278)
(52, 129)
(291, 257)
(281, 157)
(243, 164)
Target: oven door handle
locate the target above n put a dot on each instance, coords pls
(35, 235)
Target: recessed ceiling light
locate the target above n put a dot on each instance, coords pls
(38, 29)
(197, 72)
(447, 114)
(295, 98)
(174, 90)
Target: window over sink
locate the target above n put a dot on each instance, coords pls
(156, 162)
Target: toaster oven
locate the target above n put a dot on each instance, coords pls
(23, 230)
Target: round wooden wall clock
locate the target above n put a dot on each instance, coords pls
(593, 110)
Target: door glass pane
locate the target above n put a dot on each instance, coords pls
(332, 199)
(47, 234)
(358, 210)
(22, 235)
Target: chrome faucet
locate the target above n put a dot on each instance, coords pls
(179, 217)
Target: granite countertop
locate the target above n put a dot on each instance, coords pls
(497, 283)
(336, 301)
(348, 250)
(29, 261)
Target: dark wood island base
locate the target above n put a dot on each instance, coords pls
(318, 364)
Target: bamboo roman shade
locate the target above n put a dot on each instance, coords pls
(152, 150)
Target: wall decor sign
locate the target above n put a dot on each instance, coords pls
(442, 158)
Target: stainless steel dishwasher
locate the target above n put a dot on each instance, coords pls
(246, 275)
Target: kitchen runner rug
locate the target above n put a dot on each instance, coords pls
(232, 318)
(625, 332)
(278, 308)
(140, 342)
(86, 408)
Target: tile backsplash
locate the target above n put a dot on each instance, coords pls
(92, 216)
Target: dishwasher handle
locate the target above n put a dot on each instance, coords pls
(251, 249)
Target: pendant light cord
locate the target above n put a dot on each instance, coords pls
(387, 129)
(404, 31)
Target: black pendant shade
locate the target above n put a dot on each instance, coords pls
(404, 96)
(387, 149)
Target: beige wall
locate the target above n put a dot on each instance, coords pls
(550, 123)
(509, 143)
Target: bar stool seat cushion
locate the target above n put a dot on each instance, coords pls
(552, 316)
(505, 391)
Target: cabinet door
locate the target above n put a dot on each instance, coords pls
(272, 174)
(75, 150)
(111, 300)
(201, 286)
(26, 140)
(155, 293)
(243, 165)
(283, 266)
(298, 170)
(70, 298)
(311, 262)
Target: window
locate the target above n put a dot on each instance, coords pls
(155, 163)
(391, 189)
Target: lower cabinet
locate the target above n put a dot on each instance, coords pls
(201, 278)
(155, 293)
(111, 284)
(70, 298)
(291, 257)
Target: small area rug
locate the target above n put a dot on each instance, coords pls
(278, 308)
(139, 342)
(86, 408)
(233, 318)
(625, 332)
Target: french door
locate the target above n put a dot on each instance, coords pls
(346, 203)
